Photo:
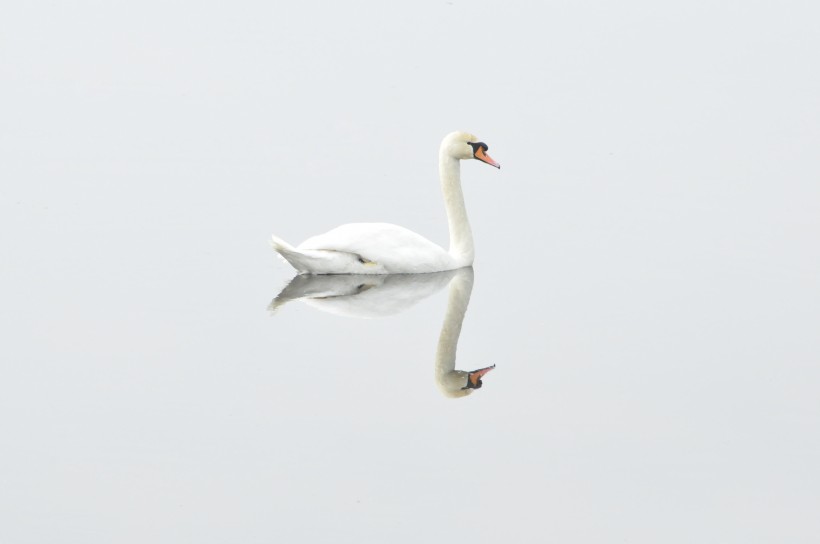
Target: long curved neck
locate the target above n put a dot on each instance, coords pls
(461, 237)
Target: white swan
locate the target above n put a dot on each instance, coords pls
(382, 248)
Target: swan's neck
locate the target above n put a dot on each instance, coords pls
(461, 237)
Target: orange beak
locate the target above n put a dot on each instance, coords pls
(481, 155)
(474, 377)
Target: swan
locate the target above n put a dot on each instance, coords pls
(382, 248)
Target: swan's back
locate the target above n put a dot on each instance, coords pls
(395, 249)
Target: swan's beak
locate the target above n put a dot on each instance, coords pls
(481, 155)
(474, 378)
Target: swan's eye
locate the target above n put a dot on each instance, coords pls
(478, 146)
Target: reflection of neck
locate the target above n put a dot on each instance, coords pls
(450, 380)
(461, 237)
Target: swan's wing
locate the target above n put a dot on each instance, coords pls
(324, 261)
(395, 248)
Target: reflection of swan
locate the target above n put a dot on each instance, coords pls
(360, 295)
(382, 248)
(379, 296)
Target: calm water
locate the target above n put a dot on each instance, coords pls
(645, 281)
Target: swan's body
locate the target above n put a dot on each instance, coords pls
(382, 248)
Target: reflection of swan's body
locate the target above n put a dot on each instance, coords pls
(382, 248)
(379, 296)
(358, 295)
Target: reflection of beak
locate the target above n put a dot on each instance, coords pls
(474, 377)
(481, 155)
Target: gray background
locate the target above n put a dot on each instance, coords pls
(646, 272)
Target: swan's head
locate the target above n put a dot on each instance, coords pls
(463, 146)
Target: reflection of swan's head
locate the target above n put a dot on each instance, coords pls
(463, 146)
(460, 383)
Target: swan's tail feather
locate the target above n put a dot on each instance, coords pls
(305, 261)
(289, 253)
(279, 244)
